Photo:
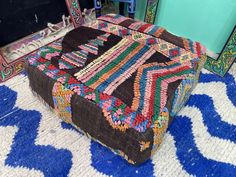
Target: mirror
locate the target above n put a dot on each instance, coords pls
(25, 28)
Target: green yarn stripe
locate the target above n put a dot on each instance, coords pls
(112, 64)
(158, 90)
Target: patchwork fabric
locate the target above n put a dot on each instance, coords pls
(166, 48)
(151, 83)
(109, 71)
(62, 98)
(51, 50)
(76, 58)
(120, 81)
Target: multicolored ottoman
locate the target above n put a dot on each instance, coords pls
(119, 81)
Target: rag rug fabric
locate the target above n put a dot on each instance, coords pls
(119, 81)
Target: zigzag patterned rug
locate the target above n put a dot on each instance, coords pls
(200, 142)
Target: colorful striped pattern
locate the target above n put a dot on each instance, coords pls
(110, 70)
(130, 56)
(61, 99)
(51, 50)
(168, 49)
(128, 81)
(65, 65)
(114, 18)
(110, 105)
(78, 58)
(151, 84)
(73, 59)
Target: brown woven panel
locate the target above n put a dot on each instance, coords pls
(90, 118)
(41, 84)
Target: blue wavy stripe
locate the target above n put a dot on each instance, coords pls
(67, 126)
(228, 80)
(216, 127)
(190, 157)
(6, 101)
(105, 161)
(24, 152)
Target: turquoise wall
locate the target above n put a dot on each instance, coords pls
(207, 21)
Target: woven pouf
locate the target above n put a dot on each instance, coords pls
(119, 81)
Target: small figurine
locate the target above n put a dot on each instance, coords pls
(89, 16)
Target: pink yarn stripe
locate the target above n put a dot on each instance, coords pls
(79, 56)
(92, 70)
(58, 47)
(71, 61)
(95, 52)
(104, 63)
(147, 94)
(110, 18)
(113, 85)
(163, 99)
(48, 56)
(149, 82)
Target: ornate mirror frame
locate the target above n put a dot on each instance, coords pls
(11, 66)
(223, 63)
(151, 11)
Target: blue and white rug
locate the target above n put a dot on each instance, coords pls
(200, 142)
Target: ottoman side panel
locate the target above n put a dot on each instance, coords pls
(130, 144)
(41, 84)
